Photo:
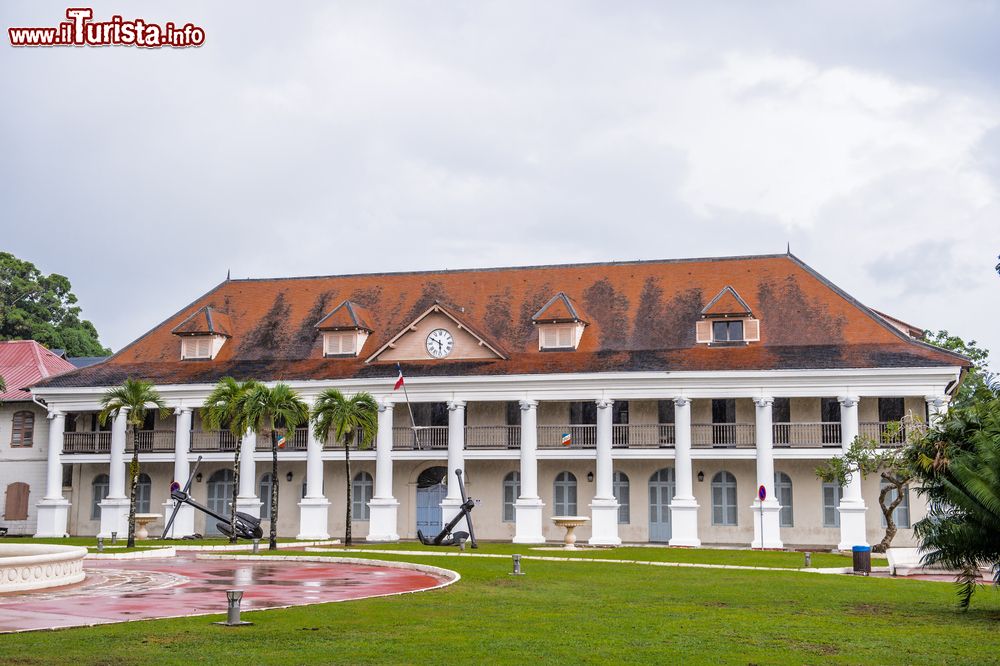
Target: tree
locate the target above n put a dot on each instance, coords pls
(975, 384)
(279, 410)
(134, 397)
(958, 464)
(225, 409)
(867, 456)
(349, 419)
(39, 307)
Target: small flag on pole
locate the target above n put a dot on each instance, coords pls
(281, 441)
(399, 379)
(567, 439)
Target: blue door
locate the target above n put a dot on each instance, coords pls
(661, 491)
(431, 490)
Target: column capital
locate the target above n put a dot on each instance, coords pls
(178, 409)
(385, 405)
(937, 401)
(454, 405)
(681, 400)
(604, 403)
(528, 404)
(53, 413)
(763, 401)
(848, 400)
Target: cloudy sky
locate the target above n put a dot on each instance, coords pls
(366, 137)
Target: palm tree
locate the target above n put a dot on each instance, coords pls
(350, 419)
(135, 396)
(224, 410)
(276, 409)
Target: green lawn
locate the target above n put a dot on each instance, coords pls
(563, 612)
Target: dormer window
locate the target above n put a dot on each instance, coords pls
(345, 330)
(727, 331)
(727, 320)
(343, 343)
(203, 334)
(560, 324)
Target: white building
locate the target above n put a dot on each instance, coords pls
(653, 397)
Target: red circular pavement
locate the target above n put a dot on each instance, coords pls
(121, 590)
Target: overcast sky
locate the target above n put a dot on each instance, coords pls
(332, 138)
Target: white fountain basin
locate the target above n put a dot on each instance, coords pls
(34, 566)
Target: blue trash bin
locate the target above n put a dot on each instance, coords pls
(862, 559)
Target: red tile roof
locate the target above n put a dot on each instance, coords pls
(347, 316)
(642, 317)
(206, 321)
(24, 363)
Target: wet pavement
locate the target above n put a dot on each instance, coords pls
(122, 590)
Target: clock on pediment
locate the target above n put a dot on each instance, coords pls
(439, 343)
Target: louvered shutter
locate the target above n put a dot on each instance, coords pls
(548, 337)
(22, 430)
(16, 504)
(204, 347)
(751, 330)
(703, 331)
(565, 337)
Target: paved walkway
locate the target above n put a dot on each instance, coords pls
(122, 590)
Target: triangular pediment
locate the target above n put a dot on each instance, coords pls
(410, 343)
(206, 321)
(727, 303)
(347, 316)
(559, 309)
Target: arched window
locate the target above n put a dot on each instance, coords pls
(564, 491)
(783, 493)
(724, 499)
(16, 502)
(143, 490)
(220, 497)
(264, 494)
(99, 487)
(23, 431)
(619, 486)
(901, 514)
(362, 491)
(832, 494)
(511, 491)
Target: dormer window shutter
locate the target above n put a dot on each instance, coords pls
(703, 332)
(751, 330)
(549, 337)
(204, 349)
(564, 337)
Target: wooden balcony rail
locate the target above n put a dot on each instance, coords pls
(723, 435)
(152, 440)
(213, 440)
(87, 442)
(643, 435)
(493, 437)
(881, 431)
(430, 438)
(806, 434)
(298, 441)
(581, 436)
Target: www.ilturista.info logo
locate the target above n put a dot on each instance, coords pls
(80, 30)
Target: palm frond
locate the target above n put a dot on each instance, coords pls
(134, 396)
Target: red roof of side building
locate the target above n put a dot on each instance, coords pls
(25, 362)
(641, 316)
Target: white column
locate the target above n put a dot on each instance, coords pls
(456, 460)
(604, 507)
(528, 507)
(184, 521)
(314, 508)
(937, 407)
(384, 507)
(853, 531)
(114, 508)
(683, 507)
(53, 509)
(246, 495)
(766, 514)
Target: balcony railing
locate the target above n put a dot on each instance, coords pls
(885, 432)
(493, 437)
(426, 438)
(723, 435)
(643, 435)
(152, 440)
(213, 440)
(555, 436)
(806, 434)
(297, 441)
(86, 442)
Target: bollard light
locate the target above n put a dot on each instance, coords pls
(234, 597)
(100, 544)
(809, 559)
(517, 565)
(256, 546)
(114, 537)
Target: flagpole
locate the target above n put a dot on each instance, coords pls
(406, 396)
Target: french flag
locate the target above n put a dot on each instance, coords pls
(399, 379)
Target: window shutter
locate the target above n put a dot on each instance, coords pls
(22, 428)
(204, 347)
(703, 332)
(16, 505)
(751, 330)
(347, 342)
(548, 337)
(565, 338)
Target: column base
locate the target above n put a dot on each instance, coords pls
(450, 509)
(528, 520)
(53, 516)
(604, 522)
(684, 522)
(114, 517)
(772, 525)
(314, 518)
(183, 523)
(853, 530)
(382, 521)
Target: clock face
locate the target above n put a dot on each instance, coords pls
(440, 343)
